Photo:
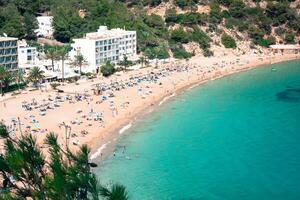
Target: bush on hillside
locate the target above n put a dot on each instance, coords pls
(207, 53)
(179, 52)
(289, 38)
(179, 35)
(171, 16)
(228, 41)
(183, 4)
(201, 38)
(159, 52)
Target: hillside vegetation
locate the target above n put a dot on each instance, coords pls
(179, 28)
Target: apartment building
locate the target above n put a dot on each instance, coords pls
(45, 28)
(9, 53)
(105, 45)
(26, 54)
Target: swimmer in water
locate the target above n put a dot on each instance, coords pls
(124, 148)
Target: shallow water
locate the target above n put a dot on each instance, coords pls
(233, 138)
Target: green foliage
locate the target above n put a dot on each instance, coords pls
(191, 18)
(155, 21)
(108, 69)
(179, 52)
(52, 54)
(271, 40)
(207, 53)
(35, 75)
(3, 131)
(236, 9)
(262, 42)
(17, 18)
(79, 61)
(125, 62)
(186, 3)
(67, 24)
(215, 15)
(228, 41)
(159, 52)
(151, 2)
(171, 16)
(201, 38)
(179, 35)
(289, 38)
(63, 175)
(30, 24)
(280, 31)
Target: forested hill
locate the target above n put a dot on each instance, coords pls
(179, 28)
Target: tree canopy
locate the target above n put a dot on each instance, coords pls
(27, 173)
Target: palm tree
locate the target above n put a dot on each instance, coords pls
(63, 54)
(18, 77)
(51, 53)
(142, 60)
(35, 75)
(79, 61)
(125, 62)
(3, 74)
(116, 192)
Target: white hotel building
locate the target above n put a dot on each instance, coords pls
(45, 28)
(105, 45)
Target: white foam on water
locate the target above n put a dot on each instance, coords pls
(166, 98)
(124, 128)
(98, 152)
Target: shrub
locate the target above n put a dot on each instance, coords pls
(289, 38)
(155, 21)
(201, 38)
(184, 3)
(171, 16)
(280, 31)
(108, 69)
(262, 42)
(271, 40)
(215, 13)
(179, 35)
(207, 53)
(228, 41)
(179, 52)
(160, 52)
(54, 85)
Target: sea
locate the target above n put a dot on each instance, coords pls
(234, 138)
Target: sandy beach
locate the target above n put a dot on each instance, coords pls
(79, 116)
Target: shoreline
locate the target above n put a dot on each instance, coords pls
(130, 104)
(107, 148)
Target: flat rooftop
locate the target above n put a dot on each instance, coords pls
(7, 38)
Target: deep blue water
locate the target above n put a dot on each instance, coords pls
(235, 138)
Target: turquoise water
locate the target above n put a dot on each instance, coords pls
(233, 138)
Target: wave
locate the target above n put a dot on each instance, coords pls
(166, 98)
(124, 128)
(98, 152)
